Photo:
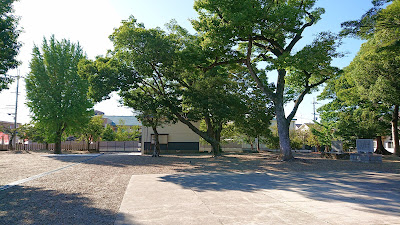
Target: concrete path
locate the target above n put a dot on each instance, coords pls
(270, 198)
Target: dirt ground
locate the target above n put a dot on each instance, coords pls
(91, 190)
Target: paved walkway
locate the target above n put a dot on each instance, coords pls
(255, 198)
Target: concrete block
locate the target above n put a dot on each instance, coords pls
(366, 157)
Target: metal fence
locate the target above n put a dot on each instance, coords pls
(119, 146)
(66, 145)
(102, 146)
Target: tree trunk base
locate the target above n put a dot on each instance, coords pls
(287, 158)
(383, 151)
(155, 155)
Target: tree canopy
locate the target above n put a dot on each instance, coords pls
(367, 97)
(164, 69)
(9, 45)
(253, 31)
(56, 94)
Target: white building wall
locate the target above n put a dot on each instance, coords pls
(177, 132)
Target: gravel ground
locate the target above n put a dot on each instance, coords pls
(91, 192)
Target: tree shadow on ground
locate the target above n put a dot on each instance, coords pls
(377, 192)
(259, 162)
(29, 205)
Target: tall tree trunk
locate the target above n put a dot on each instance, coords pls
(214, 131)
(88, 145)
(156, 149)
(11, 141)
(283, 133)
(281, 121)
(57, 148)
(395, 132)
(10, 145)
(380, 149)
(215, 145)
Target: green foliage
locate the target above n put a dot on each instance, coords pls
(272, 140)
(9, 45)
(163, 78)
(350, 113)
(256, 121)
(364, 27)
(296, 139)
(375, 68)
(123, 133)
(127, 133)
(322, 135)
(32, 132)
(108, 134)
(57, 96)
(105, 75)
(363, 96)
(92, 130)
(253, 31)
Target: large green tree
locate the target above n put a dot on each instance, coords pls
(376, 67)
(249, 32)
(352, 114)
(56, 94)
(9, 45)
(167, 67)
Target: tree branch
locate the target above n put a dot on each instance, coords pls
(299, 33)
(278, 50)
(301, 96)
(159, 77)
(153, 87)
(253, 74)
(220, 15)
(268, 48)
(216, 63)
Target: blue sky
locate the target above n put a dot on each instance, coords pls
(91, 22)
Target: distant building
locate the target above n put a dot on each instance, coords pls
(4, 136)
(98, 113)
(387, 142)
(292, 125)
(172, 138)
(123, 120)
(304, 126)
(115, 121)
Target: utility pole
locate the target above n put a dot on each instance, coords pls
(15, 114)
(315, 113)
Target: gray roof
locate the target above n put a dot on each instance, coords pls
(123, 120)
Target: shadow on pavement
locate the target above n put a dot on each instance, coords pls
(28, 205)
(375, 191)
(260, 162)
